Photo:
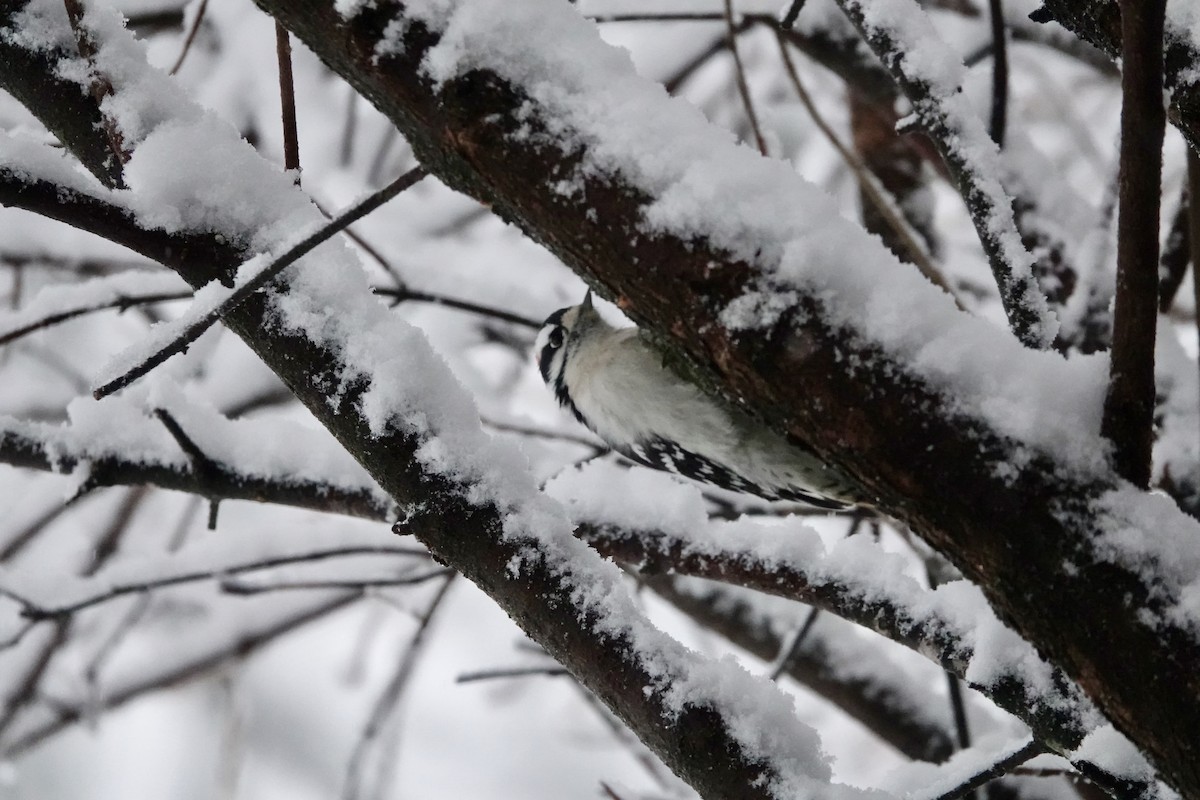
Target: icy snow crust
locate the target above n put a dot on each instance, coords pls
(191, 171)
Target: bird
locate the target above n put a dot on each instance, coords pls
(614, 381)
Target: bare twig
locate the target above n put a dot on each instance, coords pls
(999, 118)
(120, 304)
(204, 467)
(242, 587)
(346, 152)
(1129, 403)
(268, 273)
(512, 672)
(37, 612)
(287, 101)
(792, 644)
(403, 294)
(546, 433)
(1193, 228)
(26, 535)
(191, 36)
(388, 700)
(26, 687)
(740, 70)
(108, 541)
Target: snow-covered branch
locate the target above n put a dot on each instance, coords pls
(933, 84)
(991, 453)
(377, 385)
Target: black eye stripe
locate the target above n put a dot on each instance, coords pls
(556, 318)
(546, 355)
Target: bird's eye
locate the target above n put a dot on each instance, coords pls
(556, 338)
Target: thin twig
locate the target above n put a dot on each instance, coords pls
(191, 36)
(120, 304)
(545, 433)
(204, 467)
(26, 687)
(866, 181)
(388, 699)
(203, 664)
(108, 541)
(1128, 420)
(27, 534)
(34, 611)
(287, 101)
(999, 120)
(792, 644)
(740, 71)
(512, 672)
(402, 295)
(243, 588)
(193, 331)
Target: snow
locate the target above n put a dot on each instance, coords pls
(193, 172)
(118, 427)
(409, 391)
(1108, 749)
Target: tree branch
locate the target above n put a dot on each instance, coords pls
(959, 137)
(1129, 403)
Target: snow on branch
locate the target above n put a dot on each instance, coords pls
(990, 450)
(119, 443)
(931, 76)
(378, 386)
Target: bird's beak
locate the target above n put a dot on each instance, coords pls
(587, 301)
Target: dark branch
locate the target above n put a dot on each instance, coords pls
(999, 120)
(38, 612)
(287, 101)
(1129, 403)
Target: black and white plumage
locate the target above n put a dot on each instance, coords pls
(614, 382)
